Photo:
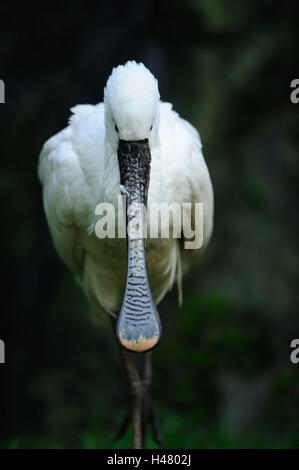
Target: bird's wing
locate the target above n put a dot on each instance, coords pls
(185, 174)
(58, 164)
(66, 195)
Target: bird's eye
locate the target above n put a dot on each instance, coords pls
(116, 128)
(151, 128)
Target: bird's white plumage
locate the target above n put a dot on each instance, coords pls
(78, 168)
(132, 100)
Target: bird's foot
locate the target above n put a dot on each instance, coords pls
(148, 416)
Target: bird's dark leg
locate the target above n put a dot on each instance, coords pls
(135, 401)
(141, 404)
(149, 410)
(146, 393)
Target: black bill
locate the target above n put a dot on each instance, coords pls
(138, 326)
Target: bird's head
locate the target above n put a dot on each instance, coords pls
(132, 104)
(131, 99)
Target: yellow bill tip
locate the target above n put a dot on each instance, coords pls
(142, 344)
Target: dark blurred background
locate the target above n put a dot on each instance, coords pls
(223, 375)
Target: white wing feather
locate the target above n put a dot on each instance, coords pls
(185, 174)
(58, 165)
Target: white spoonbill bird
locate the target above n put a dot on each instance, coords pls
(136, 145)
